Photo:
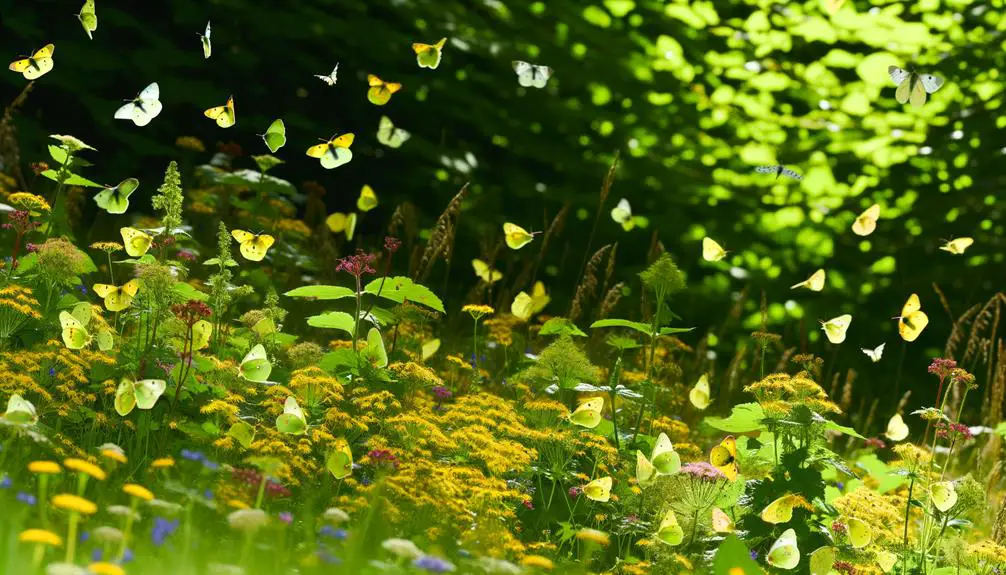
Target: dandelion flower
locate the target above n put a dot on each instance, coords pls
(247, 519)
(105, 568)
(138, 491)
(85, 467)
(593, 535)
(44, 467)
(537, 561)
(162, 463)
(74, 503)
(113, 452)
(40, 536)
(403, 548)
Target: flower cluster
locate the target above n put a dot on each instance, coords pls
(357, 265)
(947, 430)
(191, 311)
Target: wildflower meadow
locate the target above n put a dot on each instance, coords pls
(487, 287)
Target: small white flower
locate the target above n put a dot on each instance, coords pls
(335, 516)
(122, 511)
(402, 547)
(107, 534)
(247, 519)
(64, 569)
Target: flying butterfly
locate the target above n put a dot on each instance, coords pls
(531, 75)
(711, 250)
(205, 38)
(143, 394)
(390, 135)
(334, 152)
(74, 329)
(622, 214)
(143, 108)
(37, 65)
(484, 273)
(778, 171)
(331, 78)
(380, 91)
(670, 531)
(224, 115)
(913, 87)
(957, 246)
(598, 489)
(897, 429)
(367, 200)
(876, 353)
(117, 298)
(700, 394)
(255, 366)
(88, 18)
(588, 413)
(724, 457)
(253, 246)
(836, 328)
(866, 222)
(275, 136)
(516, 236)
(521, 307)
(115, 200)
(912, 320)
(428, 55)
(342, 223)
(784, 553)
(814, 283)
(136, 242)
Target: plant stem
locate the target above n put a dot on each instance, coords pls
(356, 319)
(908, 509)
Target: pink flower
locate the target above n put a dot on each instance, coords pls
(357, 265)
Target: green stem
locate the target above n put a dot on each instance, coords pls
(71, 537)
(908, 509)
(261, 492)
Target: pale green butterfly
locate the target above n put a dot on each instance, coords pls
(670, 531)
(88, 18)
(430, 348)
(375, 352)
(142, 394)
(332, 78)
(784, 553)
(944, 495)
(207, 46)
(74, 325)
(243, 432)
(20, 410)
(664, 458)
(275, 136)
(622, 214)
(292, 419)
(390, 135)
(115, 200)
(143, 108)
(339, 461)
(822, 559)
(255, 366)
(201, 332)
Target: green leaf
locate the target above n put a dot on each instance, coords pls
(187, 291)
(321, 292)
(744, 418)
(71, 180)
(561, 326)
(672, 330)
(216, 262)
(58, 154)
(333, 360)
(333, 320)
(400, 288)
(733, 558)
(643, 328)
(832, 426)
(266, 162)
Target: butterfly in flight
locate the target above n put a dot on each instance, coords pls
(913, 87)
(529, 75)
(778, 170)
(332, 78)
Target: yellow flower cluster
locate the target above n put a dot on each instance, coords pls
(987, 555)
(477, 310)
(501, 328)
(30, 202)
(17, 305)
(293, 227)
(316, 383)
(107, 247)
(676, 430)
(882, 513)
(779, 393)
(415, 374)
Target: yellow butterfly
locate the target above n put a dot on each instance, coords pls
(516, 236)
(712, 251)
(428, 55)
(722, 522)
(37, 65)
(340, 222)
(944, 495)
(886, 560)
(645, 471)
(539, 297)
(136, 242)
(665, 459)
(912, 320)
(957, 246)
(724, 457)
(117, 298)
(522, 306)
(822, 559)
(700, 393)
(670, 531)
(781, 510)
(588, 413)
(367, 200)
(339, 461)
(334, 152)
(380, 91)
(814, 283)
(224, 115)
(897, 430)
(484, 273)
(859, 532)
(866, 222)
(784, 553)
(836, 328)
(253, 246)
(598, 489)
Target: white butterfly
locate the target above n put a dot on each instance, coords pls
(913, 87)
(529, 75)
(144, 108)
(778, 170)
(332, 78)
(207, 47)
(876, 353)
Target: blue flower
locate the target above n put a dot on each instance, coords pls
(96, 554)
(162, 529)
(434, 564)
(5, 483)
(329, 531)
(753, 554)
(208, 494)
(82, 288)
(127, 556)
(192, 455)
(211, 465)
(52, 372)
(327, 557)
(26, 498)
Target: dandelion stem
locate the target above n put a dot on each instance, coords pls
(71, 537)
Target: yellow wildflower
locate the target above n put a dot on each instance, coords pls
(137, 491)
(74, 503)
(477, 311)
(44, 467)
(30, 202)
(457, 359)
(85, 467)
(40, 536)
(237, 504)
(105, 568)
(107, 247)
(162, 463)
(190, 143)
(293, 227)
(537, 561)
(593, 535)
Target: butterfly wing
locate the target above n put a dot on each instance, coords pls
(136, 242)
(588, 413)
(207, 45)
(428, 55)
(147, 392)
(367, 200)
(896, 428)
(88, 18)
(724, 457)
(918, 95)
(75, 335)
(866, 222)
(335, 156)
(766, 169)
(525, 73)
(275, 136)
(931, 83)
(516, 236)
(540, 76)
(898, 75)
(255, 366)
(223, 115)
(790, 173)
(836, 328)
(711, 250)
(700, 393)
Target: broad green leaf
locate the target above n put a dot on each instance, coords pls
(321, 292)
(733, 558)
(400, 288)
(561, 326)
(643, 328)
(333, 320)
(743, 418)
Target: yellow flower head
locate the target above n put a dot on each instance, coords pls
(237, 504)
(477, 311)
(30, 202)
(107, 247)
(40, 536)
(162, 463)
(41, 467)
(593, 535)
(105, 568)
(537, 561)
(137, 491)
(74, 503)
(85, 467)
(115, 455)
